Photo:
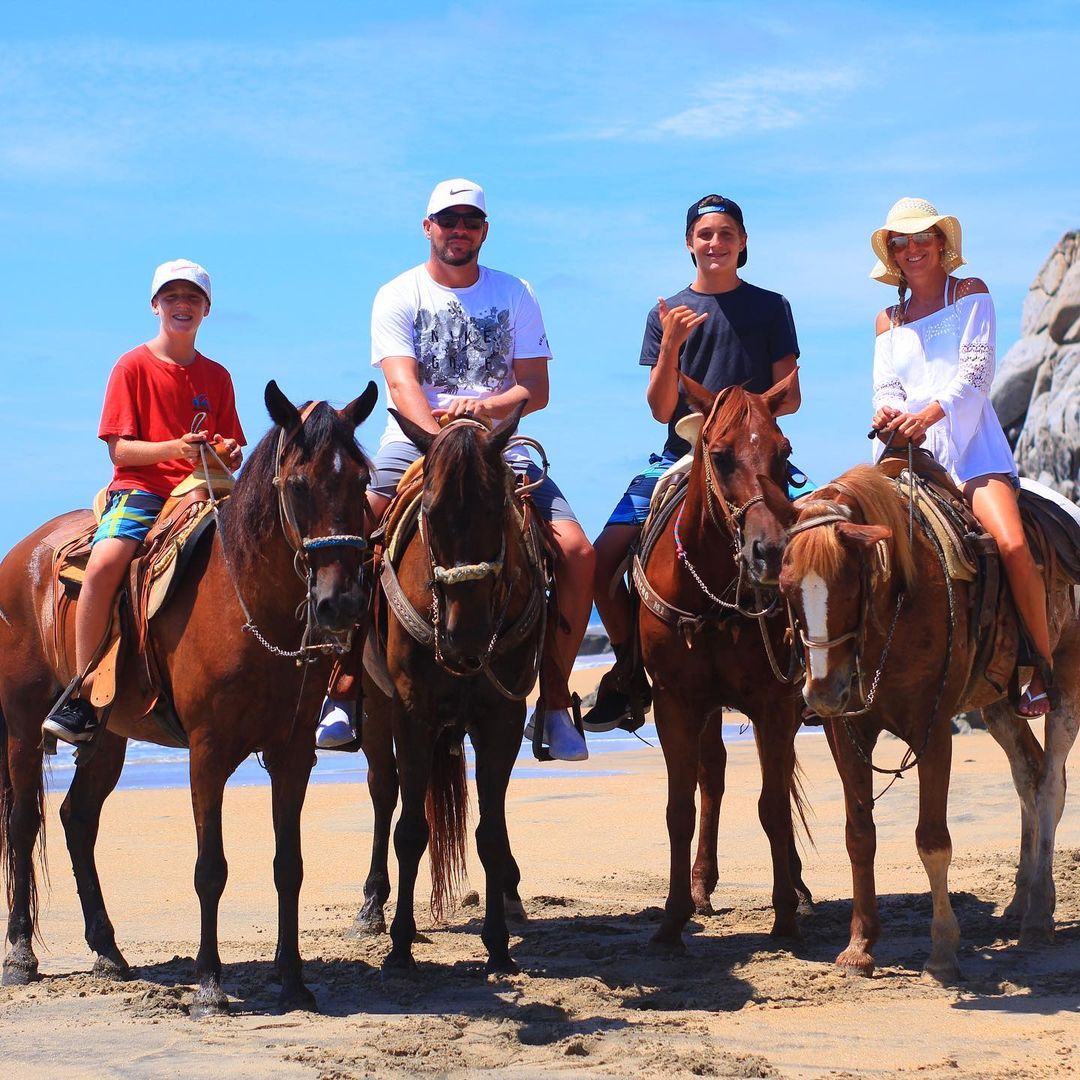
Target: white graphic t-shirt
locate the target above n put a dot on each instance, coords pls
(464, 341)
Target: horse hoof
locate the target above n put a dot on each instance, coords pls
(112, 968)
(856, 964)
(1034, 935)
(704, 908)
(662, 946)
(20, 967)
(785, 928)
(297, 999)
(514, 910)
(367, 926)
(208, 1001)
(505, 966)
(947, 974)
(398, 968)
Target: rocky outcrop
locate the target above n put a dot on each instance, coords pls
(1037, 389)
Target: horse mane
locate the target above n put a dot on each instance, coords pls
(250, 515)
(821, 551)
(459, 469)
(731, 410)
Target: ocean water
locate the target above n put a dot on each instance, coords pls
(151, 767)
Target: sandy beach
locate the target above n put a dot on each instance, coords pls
(590, 999)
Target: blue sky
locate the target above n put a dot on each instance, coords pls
(291, 151)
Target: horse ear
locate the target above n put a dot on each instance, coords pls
(787, 387)
(282, 411)
(861, 536)
(697, 397)
(420, 438)
(777, 501)
(358, 410)
(498, 439)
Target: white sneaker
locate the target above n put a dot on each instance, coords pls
(563, 740)
(335, 724)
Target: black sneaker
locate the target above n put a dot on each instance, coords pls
(75, 721)
(611, 710)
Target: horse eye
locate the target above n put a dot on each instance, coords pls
(297, 482)
(724, 460)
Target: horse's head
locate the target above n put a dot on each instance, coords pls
(838, 579)
(321, 477)
(463, 524)
(740, 442)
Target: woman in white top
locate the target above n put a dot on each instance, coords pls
(933, 366)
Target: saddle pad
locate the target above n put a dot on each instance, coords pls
(1060, 520)
(961, 565)
(669, 480)
(170, 558)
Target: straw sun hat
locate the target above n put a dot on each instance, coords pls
(914, 216)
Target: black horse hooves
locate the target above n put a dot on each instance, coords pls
(208, 1001)
(112, 968)
(399, 969)
(20, 967)
(367, 926)
(505, 966)
(659, 946)
(297, 999)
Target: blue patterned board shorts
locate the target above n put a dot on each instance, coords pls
(633, 507)
(394, 458)
(128, 515)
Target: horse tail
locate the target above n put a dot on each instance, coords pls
(447, 810)
(799, 801)
(7, 810)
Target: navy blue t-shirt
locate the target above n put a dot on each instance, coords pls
(747, 331)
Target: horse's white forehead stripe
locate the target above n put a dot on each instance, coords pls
(815, 605)
(337, 462)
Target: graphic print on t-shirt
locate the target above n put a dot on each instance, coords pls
(454, 349)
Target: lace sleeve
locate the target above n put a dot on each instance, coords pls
(977, 364)
(888, 389)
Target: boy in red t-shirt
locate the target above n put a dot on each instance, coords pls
(154, 396)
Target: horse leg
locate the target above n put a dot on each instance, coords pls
(710, 781)
(22, 803)
(680, 739)
(80, 813)
(495, 756)
(776, 754)
(935, 849)
(512, 904)
(378, 745)
(410, 840)
(1025, 756)
(208, 776)
(861, 838)
(1061, 731)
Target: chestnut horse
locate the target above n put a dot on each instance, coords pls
(462, 667)
(703, 652)
(227, 645)
(889, 648)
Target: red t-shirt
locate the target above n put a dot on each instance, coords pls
(153, 401)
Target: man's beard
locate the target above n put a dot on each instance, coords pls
(442, 253)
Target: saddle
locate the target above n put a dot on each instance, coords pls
(155, 573)
(1000, 643)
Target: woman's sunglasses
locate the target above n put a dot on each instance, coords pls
(898, 243)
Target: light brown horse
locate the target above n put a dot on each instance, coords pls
(889, 648)
(230, 673)
(464, 630)
(703, 652)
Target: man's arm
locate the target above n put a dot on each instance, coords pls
(781, 369)
(124, 451)
(403, 385)
(531, 387)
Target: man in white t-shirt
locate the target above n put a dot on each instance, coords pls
(453, 337)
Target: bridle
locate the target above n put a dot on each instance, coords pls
(309, 651)
(443, 577)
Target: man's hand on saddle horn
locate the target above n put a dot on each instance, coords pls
(474, 408)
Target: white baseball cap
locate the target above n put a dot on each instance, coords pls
(456, 192)
(180, 270)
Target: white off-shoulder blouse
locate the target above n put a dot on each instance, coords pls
(947, 357)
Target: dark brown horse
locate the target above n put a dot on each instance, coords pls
(464, 668)
(889, 648)
(297, 507)
(703, 652)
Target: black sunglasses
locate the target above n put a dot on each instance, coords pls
(448, 219)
